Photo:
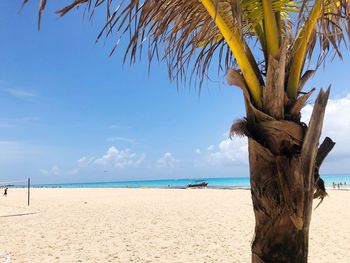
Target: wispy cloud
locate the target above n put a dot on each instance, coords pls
(14, 122)
(85, 161)
(56, 171)
(167, 161)
(210, 147)
(27, 119)
(12, 150)
(20, 93)
(120, 139)
(114, 126)
(4, 125)
(5, 143)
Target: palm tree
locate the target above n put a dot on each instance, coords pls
(284, 153)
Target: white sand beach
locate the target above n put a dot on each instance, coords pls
(151, 225)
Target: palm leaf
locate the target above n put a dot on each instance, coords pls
(187, 37)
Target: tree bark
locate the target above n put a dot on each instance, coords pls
(283, 165)
(277, 238)
(282, 158)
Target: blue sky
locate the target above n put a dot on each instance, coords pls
(68, 112)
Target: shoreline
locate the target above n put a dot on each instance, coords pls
(213, 183)
(170, 188)
(122, 187)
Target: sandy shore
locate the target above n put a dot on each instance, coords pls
(151, 225)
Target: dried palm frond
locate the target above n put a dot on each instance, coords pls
(239, 128)
(187, 37)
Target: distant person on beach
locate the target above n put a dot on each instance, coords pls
(333, 185)
(338, 186)
(5, 191)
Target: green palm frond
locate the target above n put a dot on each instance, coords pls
(231, 32)
(249, 14)
(185, 35)
(323, 21)
(254, 12)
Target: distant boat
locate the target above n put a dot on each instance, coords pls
(202, 184)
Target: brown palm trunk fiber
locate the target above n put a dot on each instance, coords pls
(284, 180)
(284, 160)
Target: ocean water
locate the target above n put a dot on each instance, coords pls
(242, 182)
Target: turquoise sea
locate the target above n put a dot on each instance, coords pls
(242, 182)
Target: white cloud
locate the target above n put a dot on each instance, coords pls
(112, 159)
(56, 171)
(72, 172)
(140, 160)
(210, 147)
(14, 122)
(167, 161)
(82, 163)
(53, 171)
(198, 151)
(119, 158)
(336, 126)
(230, 152)
(113, 126)
(120, 139)
(85, 161)
(21, 94)
(27, 119)
(12, 151)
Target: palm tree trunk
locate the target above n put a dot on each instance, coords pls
(284, 160)
(277, 238)
(284, 178)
